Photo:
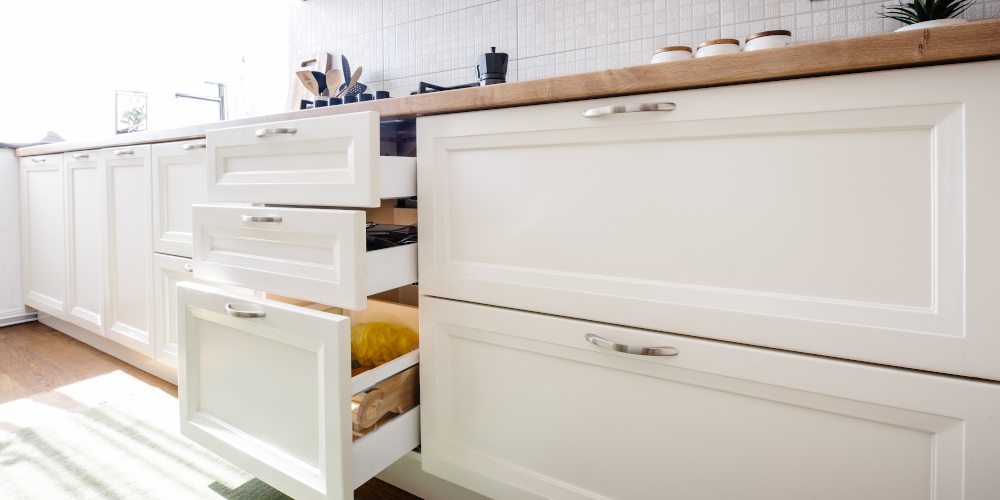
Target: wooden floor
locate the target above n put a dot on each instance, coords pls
(35, 360)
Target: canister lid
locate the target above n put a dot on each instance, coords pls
(706, 43)
(675, 47)
(769, 33)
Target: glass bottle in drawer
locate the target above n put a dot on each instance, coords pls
(319, 255)
(324, 161)
(268, 386)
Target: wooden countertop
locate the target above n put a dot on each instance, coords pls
(947, 44)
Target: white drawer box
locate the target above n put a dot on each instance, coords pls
(311, 254)
(273, 394)
(813, 215)
(326, 161)
(520, 405)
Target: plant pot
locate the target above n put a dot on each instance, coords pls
(933, 24)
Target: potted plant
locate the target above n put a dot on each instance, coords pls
(920, 14)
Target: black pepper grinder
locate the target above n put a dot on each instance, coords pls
(491, 67)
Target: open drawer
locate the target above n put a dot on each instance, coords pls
(273, 393)
(325, 161)
(317, 255)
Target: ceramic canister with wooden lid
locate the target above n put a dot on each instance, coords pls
(717, 47)
(675, 53)
(768, 40)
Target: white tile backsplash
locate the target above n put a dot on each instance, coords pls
(403, 42)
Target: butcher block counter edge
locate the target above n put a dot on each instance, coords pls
(974, 41)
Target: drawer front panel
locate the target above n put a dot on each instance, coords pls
(326, 161)
(521, 405)
(310, 254)
(315, 255)
(802, 215)
(271, 394)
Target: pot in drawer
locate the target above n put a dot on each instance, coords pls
(325, 161)
(268, 386)
(317, 255)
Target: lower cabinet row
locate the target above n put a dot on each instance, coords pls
(516, 405)
(521, 405)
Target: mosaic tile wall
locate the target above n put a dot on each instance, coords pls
(403, 42)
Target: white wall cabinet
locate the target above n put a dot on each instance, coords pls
(43, 234)
(85, 246)
(126, 178)
(520, 405)
(178, 183)
(812, 215)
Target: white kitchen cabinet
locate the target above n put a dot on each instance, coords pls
(325, 161)
(168, 271)
(318, 255)
(43, 234)
(127, 190)
(178, 183)
(812, 215)
(520, 405)
(272, 393)
(85, 241)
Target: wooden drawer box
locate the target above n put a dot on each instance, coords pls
(813, 215)
(273, 394)
(317, 255)
(520, 405)
(325, 161)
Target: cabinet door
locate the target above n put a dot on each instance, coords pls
(43, 234)
(126, 176)
(521, 405)
(85, 240)
(168, 271)
(811, 215)
(178, 183)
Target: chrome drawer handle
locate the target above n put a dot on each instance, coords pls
(38, 160)
(630, 108)
(124, 151)
(244, 314)
(261, 218)
(188, 268)
(81, 155)
(188, 147)
(631, 349)
(261, 132)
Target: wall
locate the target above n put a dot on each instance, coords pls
(11, 308)
(403, 42)
(64, 59)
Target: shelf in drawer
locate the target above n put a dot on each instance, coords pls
(311, 254)
(325, 161)
(273, 394)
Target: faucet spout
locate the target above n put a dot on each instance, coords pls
(221, 99)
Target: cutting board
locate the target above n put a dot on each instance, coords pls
(296, 92)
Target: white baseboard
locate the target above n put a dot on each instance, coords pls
(17, 318)
(115, 349)
(408, 475)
